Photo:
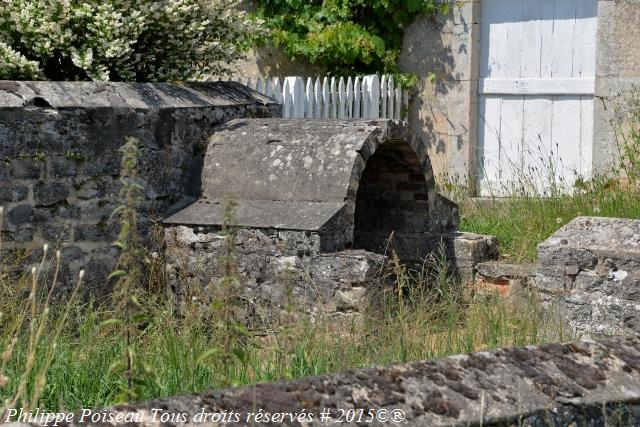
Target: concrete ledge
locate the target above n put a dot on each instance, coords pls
(585, 383)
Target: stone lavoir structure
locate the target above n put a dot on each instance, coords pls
(305, 190)
(322, 205)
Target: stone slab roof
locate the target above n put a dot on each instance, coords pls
(290, 173)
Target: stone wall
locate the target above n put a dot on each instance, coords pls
(60, 159)
(444, 52)
(282, 274)
(589, 271)
(617, 72)
(588, 383)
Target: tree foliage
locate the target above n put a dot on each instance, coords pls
(344, 36)
(131, 40)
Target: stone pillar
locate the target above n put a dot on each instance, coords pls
(617, 71)
(444, 51)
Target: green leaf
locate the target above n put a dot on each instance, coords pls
(117, 273)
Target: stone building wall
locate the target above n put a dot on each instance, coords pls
(444, 51)
(617, 72)
(60, 159)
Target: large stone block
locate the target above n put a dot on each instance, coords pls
(590, 270)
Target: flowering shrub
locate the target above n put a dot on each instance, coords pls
(131, 40)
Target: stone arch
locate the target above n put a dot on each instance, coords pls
(392, 197)
(393, 193)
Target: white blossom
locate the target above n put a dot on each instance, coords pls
(140, 40)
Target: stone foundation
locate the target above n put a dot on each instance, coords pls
(281, 272)
(285, 272)
(590, 271)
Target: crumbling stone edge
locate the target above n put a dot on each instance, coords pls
(586, 383)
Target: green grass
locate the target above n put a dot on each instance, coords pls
(521, 223)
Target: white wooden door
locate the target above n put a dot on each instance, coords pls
(536, 95)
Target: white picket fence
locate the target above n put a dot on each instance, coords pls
(330, 97)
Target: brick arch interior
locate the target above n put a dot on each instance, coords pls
(392, 197)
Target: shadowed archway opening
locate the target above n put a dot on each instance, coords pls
(392, 198)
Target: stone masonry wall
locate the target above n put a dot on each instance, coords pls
(617, 73)
(60, 160)
(282, 273)
(589, 271)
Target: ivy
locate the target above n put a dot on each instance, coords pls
(344, 36)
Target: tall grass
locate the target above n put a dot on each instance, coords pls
(431, 316)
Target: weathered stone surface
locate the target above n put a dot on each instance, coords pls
(60, 158)
(13, 193)
(444, 52)
(617, 72)
(50, 193)
(590, 270)
(280, 272)
(588, 383)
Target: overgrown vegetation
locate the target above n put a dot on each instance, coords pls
(344, 36)
(141, 40)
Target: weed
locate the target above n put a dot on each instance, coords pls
(76, 156)
(129, 277)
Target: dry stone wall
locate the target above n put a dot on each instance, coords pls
(60, 159)
(283, 274)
